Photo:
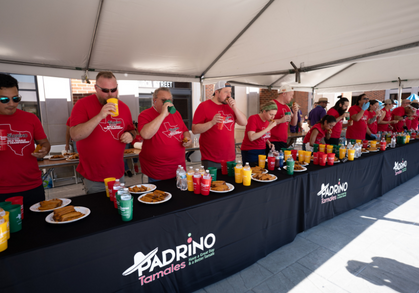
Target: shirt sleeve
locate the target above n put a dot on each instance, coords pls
(79, 114)
(39, 132)
(143, 119)
(199, 115)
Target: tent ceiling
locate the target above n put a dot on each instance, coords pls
(179, 40)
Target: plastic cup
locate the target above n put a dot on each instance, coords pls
(316, 158)
(307, 157)
(224, 170)
(342, 153)
(114, 101)
(110, 185)
(106, 180)
(365, 144)
(17, 200)
(373, 143)
(117, 202)
(247, 177)
(5, 205)
(238, 175)
(315, 147)
(3, 139)
(171, 109)
(294, 154)
(262, 159)
(358, 141)
(230, 168)
(15, 218)
(329, 149)
(205, 186)
(351, 155)
(221, 124)
(322, 148)
(330, 159)
(5, 214)
(126, 207)
(383, 146)
(290, 167)
(322, 159)
(287, 154)
(271, 163)
(3, 234)
(213, 173)
(301, 155)
(353, 141)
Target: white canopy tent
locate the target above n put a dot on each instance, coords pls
(336, 46)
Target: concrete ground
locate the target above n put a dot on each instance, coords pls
(373, 248)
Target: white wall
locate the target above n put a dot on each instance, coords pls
(54, 88)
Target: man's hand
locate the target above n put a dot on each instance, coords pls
(106, 110)
(286, 118)
(187, 142)
(41, 153)
(165, 109)
(218, 118)
(126, 138)
(67, 148)
(231, 102)
(272, 124)
(295, 108)
(345, 115)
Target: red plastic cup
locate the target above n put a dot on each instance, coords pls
(322, 159)
(294, 154)
(205, 186)
(365, 144)
(271, 163)
(17, 200)
(316, 158)
(110, 188)
(331, 159)
(383, 145)
(224, 169)
(221, 124)
(3, 139)
(196, 185)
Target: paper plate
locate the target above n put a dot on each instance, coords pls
(83, 210)
(35, 207)
(150, 187)
(168, 197)
(264, 181)
(230, 188)
(304, 169)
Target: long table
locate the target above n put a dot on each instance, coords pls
(192, 240)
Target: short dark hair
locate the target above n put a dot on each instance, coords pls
(328, 119)
(359, 98)
(8, 81)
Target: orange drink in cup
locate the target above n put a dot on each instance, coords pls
(114, 101)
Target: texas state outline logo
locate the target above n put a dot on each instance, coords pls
(172, 131)
(229, 121)
(17, 140)
(114, 125)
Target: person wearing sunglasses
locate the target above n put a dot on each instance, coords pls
(101, 138)
(359, 116)
(19, 174)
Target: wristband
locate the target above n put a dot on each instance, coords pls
(133, 136)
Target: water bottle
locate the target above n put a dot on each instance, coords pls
(116, 188)
(206, 183)
(281, 159)
(393, 142)
(179, 167)
(183, 180)
(202, 170)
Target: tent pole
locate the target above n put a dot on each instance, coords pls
(92, 43)
(333, 75)
(400, 89)
(272, 84)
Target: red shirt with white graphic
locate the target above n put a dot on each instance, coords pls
(101, 153)
(373, 126)
(399, 111)
(161, 155)
(280, 132)
(337, 129)
(255, 123)
(320, 134)
(359, 128)
(19, 169)
(387, 117)
(414, 123)
(216, 145)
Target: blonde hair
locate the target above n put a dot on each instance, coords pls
(271, 105)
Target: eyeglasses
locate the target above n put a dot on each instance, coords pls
(108, 90)
(366, 99)
(5, 100)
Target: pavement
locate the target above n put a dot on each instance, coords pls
(373, 248)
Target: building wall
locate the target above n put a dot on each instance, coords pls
(300, 98)
(376, 95)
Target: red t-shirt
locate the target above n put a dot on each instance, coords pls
(19, 169)
(280, 132)
(255, 123)
(216, 145)
(337, 129)
(387, 117)
(399, 111)
(359, 128)
(101, 153)
(320, 135)
(373, 126)
(414, 123)
(161, 154)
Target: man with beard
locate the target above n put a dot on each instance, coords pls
(101, 138)
(284, 117)
(339, 112)
(215, 119)
(400, 114)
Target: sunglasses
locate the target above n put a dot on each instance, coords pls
(5, 100)
(108, 90)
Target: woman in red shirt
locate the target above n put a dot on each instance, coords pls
(338, 111)
(257, 132)
(374, 117)
(321, 129)
(385, 123)
(359, 118)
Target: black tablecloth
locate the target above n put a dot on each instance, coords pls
(210, 237)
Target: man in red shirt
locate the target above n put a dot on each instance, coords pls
(279, 134)
(165, 138)
(339, 112)
(19, 174)
(101, 138)
(217, 141)
(400, 114)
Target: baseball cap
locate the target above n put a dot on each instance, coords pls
(285, 89)
(221, 84)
